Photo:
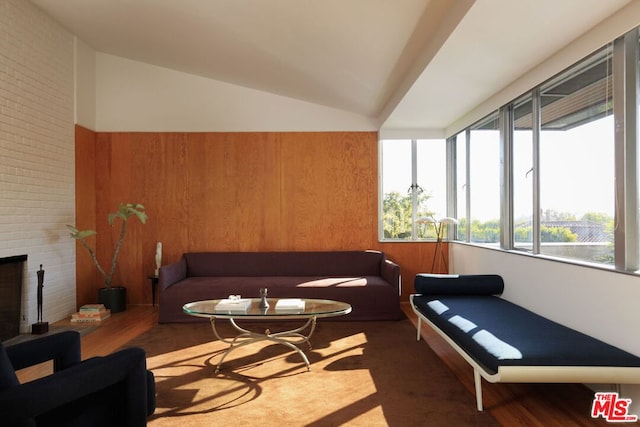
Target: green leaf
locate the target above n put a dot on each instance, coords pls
(77, 234)
(86, 233)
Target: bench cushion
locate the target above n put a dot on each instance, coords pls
(459, 284)
(496, 332)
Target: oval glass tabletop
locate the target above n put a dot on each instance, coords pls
(278, 307)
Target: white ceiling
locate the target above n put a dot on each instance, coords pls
(405, 63)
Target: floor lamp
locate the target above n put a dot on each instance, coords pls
(440, 226)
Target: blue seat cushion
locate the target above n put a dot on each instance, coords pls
(463, 284)
(496, 332)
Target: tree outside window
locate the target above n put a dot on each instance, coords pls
(413, 188)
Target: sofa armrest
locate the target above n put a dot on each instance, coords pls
(63, 348)
(172, 273)
(390, 272)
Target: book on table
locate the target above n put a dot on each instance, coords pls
(290, 304)
(92, 308)
(90, 315)
(238, 305)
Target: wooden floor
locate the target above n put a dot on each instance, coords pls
(105, 337)
(511, 404)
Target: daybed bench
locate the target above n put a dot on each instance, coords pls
(504, 342)
(365, 279)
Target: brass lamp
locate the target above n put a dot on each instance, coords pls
(440, 226)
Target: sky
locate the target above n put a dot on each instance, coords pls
(576, 171)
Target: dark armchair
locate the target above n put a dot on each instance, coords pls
(114, 390)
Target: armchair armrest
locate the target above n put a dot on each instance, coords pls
(126, 367)
(63, 348)
(172, 273)
(390, 272)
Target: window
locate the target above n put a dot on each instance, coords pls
(462, 186)
(484, 181)
(397, 209)
(413, 187)
(554, 172)
(477, 166)
(559, 181)
(577, 162)
(432, 174)
(523, 174)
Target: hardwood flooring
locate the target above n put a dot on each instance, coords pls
(106, 336)
(510, 404)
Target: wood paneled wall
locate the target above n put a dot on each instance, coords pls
(229, 192)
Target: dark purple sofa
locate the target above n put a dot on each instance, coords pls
(365, 279)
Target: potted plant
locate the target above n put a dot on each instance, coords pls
(113, 298)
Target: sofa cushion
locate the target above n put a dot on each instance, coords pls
(364, 279)
(255, 264)
(369, 296)
(453, 284)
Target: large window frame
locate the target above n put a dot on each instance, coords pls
(416, 190)
(625, 69)
(626, 86)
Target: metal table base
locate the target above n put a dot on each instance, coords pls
(290, 338)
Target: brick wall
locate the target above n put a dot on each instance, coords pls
(37, 154)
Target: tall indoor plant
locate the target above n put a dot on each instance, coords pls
(112, 297)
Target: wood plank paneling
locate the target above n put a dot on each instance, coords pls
(237, 180)
(166, 193)
(249, 191)
(328, 190)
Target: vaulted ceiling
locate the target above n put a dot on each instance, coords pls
(405, 63)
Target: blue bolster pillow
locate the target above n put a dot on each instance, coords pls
(453, 284)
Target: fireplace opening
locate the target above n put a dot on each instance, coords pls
(11, 269)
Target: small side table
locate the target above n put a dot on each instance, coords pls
(154, 286)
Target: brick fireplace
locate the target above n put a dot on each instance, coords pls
(11, 274)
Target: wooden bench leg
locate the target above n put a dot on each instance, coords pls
(419, 328)
(478, 380)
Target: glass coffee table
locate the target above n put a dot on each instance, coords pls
(305, 309)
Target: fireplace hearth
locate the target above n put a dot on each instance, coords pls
(11, 271)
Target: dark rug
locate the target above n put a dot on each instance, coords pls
(362, 374)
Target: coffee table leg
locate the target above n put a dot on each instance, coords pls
(288, 338)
